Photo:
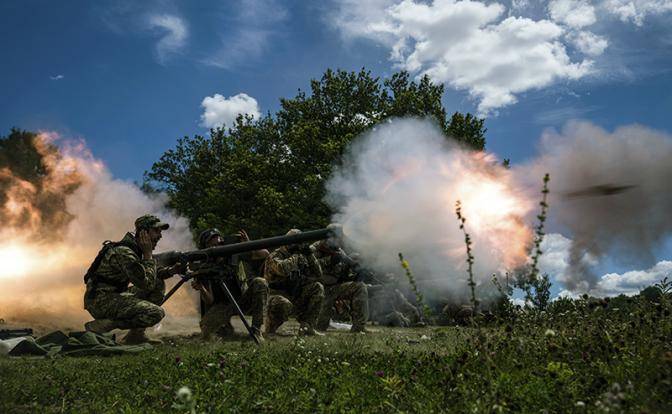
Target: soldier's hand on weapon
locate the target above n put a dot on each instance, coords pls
(146, 245)
(243, 236)
(178, 268)
(197, 285)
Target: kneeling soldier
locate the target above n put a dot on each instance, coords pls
(248, 290)
(294, 271)
(108, 297)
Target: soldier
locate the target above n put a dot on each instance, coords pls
(340, 286)
(390, 307)
(248, 289)
(118, 264)
(294, 270)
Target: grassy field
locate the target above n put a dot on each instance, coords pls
(577, 359)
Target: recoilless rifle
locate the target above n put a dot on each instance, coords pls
(229, 250)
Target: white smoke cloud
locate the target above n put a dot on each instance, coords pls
(219, 110)
(610, 191)
(45, 287)
(396, 192)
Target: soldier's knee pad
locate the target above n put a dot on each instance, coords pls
(317, 289)
(259, 283)
(154, 314)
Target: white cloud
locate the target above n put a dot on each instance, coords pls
(636, 11)
(555, 258)
(56, 77)
(573, 13)
(219, 110)
(174, 37)
(251, 30)
(589, 43)
(467, 44)
(630, 283)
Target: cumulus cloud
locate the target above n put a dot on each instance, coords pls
(56, 77)
(470, 45)
(636, 11)
(219, 110)
(589, 43)
(627, 283)
(573, 13)
(175, 33)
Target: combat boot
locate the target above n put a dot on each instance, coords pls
(359, 329)
(137, 336)
(226, 330)
(307, 329)
(101, 326)
(272, 325)
(256, 332)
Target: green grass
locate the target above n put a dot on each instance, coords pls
(578, 359)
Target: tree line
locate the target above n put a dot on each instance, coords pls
(268, 174)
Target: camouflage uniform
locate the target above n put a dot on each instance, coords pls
(389, 307)
(296, 275)
(250, 292)
(107, 293)
(353, 293)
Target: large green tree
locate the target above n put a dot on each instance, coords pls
(267, 175)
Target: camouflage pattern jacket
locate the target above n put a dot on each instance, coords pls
(285, 269)
(120, 266)
(334, 270)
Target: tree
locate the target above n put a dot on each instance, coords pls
(267, 175)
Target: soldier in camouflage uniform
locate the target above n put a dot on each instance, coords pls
(340, 286)
(390, 307)
(249, 290)
(294, 271)
(129, 261)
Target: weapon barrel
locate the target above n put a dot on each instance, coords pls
(237, 248)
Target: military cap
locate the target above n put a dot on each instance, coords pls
(149, 221)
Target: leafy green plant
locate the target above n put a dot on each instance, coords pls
(470, 257)
(537, 289)
(419, 298)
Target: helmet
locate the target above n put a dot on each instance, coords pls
(206, 235)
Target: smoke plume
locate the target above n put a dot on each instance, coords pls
(396, 192)
(53, 226)
(611, 191)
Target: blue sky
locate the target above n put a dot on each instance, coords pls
(98, 70)
(130, 77)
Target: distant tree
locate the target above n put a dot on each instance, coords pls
(267, 175)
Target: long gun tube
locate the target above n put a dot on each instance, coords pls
(168, 258)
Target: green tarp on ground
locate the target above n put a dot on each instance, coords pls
(74, 344)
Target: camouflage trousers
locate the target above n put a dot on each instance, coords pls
(136, 308)
(306, 305)
(389, 307)
(353, 294)
(252, 302)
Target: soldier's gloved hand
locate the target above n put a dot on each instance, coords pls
(305, 250)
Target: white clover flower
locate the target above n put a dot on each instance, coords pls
(184, 394)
